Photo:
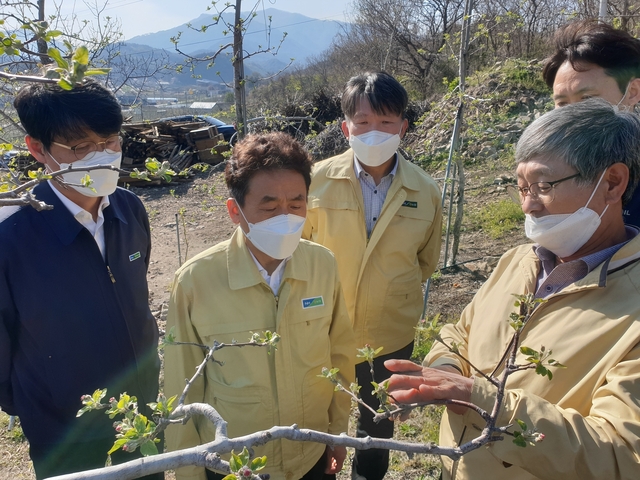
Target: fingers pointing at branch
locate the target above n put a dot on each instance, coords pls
(415, 384)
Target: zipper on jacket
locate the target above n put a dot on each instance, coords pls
(277, 299)
(113, 279)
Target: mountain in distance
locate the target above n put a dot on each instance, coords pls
(306, 37)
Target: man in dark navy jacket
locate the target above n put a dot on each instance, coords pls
(74, 314)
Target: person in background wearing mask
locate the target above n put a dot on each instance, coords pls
(593, 59)
(575, 167)
(74, 313)
(264, 278)
(380, 215)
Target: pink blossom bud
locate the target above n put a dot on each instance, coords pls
(246, 472)
(112, 399)
(125, 448)
(540, 437)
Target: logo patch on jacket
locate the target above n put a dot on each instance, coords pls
(409, 204)
(312, 302)
(134, 256)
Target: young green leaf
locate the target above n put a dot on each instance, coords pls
(57, 57)
(258, 463)
(81, 55)
(148, 448)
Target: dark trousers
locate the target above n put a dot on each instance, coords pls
(373, 464)
(316, 472)
(72, 458)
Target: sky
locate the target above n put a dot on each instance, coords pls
(145, 16)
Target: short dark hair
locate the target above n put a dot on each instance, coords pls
(590, 136)
(264, 152)
(591, 42)
(48, 112)
(385, 94)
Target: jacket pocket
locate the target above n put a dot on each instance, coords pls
(237, 326)
(402, 309)
(410, 287)
(333, 203)
(309, 336)
(317, 393)
(418, 210)
(246, 410)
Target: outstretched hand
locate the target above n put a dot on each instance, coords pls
(413, 383)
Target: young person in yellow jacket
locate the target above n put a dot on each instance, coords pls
(576, 166)
(264, 278)
(380, 215)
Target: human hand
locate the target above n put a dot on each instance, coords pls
(416, 384)
(335, 458)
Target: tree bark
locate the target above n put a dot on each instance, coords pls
(238, 72)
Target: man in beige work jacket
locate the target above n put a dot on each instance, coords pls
(576, 166)
(380, 215)
(264, 278)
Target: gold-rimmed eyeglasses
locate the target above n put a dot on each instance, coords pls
(543, 192)
(86, 150)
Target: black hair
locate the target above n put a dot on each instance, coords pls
(385, 94)
(587, 42)
(50, 113)
(264, 152)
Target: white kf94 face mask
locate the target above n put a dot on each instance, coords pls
(564, 234)
(277, 236)
(104, 181)
(374, 148)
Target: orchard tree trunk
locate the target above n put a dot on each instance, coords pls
(238, 73)
(42, 44)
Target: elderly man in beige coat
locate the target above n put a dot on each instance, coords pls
(576, 166)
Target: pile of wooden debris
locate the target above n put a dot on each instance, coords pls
(180, 143)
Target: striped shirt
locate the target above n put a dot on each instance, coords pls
(372, 194)
(553, 279)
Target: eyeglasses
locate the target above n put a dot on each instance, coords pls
(543, 192)
(86, 150)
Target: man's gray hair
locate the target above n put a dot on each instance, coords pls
(590, 136)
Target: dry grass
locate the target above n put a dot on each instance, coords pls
(14, 452)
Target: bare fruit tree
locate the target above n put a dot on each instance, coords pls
(134, 430)
(236, 26)
(39, 43)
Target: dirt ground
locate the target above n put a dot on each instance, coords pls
(195, 211)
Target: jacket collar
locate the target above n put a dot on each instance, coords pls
(342, 167)
(597, 277)
(117, 205)
(60, 219)
(243, 272)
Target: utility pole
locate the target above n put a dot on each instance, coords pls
(602, 13)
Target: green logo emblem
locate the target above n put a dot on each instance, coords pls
(312, 302)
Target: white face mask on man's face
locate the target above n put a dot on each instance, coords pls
(277, 236)
(104, 181)
(564, 234)
(374, 148)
